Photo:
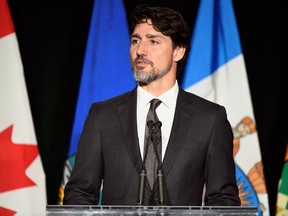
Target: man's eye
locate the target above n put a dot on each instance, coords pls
(134, 41)
(154, 42)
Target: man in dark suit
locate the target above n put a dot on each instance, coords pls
(196, 155)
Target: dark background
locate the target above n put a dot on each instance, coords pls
(52, 38)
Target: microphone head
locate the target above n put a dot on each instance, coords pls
(150, 124)
(154, 126)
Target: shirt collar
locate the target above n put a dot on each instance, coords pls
(168, 98)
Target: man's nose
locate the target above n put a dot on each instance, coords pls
(142, 49)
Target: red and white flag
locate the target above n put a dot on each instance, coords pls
(22, 179)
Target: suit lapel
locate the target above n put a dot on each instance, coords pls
(128, 121)
(182, 121)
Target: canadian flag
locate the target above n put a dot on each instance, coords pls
(22, 179)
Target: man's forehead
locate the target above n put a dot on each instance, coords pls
(147, 30)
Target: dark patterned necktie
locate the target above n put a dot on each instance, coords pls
(152, 133)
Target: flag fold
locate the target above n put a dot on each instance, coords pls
(106, 69)
(216, 71)
(22, 179)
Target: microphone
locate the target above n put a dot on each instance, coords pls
(160, 178)
(141, 187)
(142, 180)
(153, 128)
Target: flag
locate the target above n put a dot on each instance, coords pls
(215, 70)
(282, 196)
(106, 70)
(22, 179)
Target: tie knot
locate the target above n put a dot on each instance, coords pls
(154, 103)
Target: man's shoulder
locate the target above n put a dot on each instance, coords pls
(204, 108)
(197, 100)
(116, 101)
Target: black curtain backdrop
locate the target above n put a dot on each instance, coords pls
(52, 39)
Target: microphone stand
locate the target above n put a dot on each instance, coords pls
(142, 180)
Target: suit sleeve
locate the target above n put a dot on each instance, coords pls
(85, 180)
(221, 186)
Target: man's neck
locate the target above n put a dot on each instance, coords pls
(159, 87)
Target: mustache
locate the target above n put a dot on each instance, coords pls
(142, 58)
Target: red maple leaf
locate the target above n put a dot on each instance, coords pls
(14, 160)
(6, 212)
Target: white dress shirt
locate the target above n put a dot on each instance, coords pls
(165, 113)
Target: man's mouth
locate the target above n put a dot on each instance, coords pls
(141, 63)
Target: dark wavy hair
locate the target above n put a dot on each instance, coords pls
(167, 21)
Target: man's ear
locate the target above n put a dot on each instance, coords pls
(178, 53)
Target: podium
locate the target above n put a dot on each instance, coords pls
(66, 210)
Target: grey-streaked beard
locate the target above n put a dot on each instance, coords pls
(147, 77)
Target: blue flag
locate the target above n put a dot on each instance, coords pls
(216, 71)
(106, 70)
(215, 40)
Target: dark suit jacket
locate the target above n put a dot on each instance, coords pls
(199, 152)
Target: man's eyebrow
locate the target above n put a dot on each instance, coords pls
(135, 35)
(153, 36)
(147, 36)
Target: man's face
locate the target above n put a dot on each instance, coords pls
(151, 53)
